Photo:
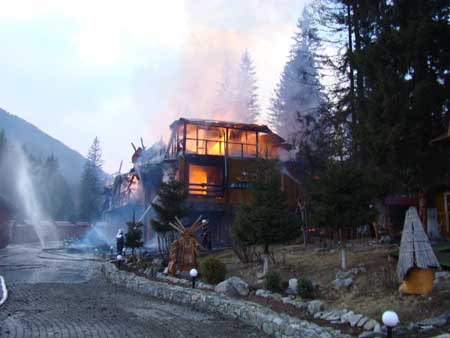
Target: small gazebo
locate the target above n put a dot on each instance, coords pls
(416, 257)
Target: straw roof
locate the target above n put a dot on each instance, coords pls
(415, 248)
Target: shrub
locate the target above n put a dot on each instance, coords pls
(273, 282)
(305, 288)
(213, 270)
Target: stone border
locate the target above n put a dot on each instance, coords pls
(278, 325)
(4, 291)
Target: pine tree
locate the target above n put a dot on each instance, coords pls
(266, 220)
(133, 237)
(171, 203)
(225, 101)
(55, 194)
(90, 185)
(395, 96)
(340, 198)
(246, 97)
(237, 97)
(296, 105)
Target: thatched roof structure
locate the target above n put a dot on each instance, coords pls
(415, 248)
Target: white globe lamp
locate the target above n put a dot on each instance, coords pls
(119, 260)
(390, 319)
(193, 273)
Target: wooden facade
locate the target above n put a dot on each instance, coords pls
(443, 184)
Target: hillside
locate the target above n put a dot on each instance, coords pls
(42, 145)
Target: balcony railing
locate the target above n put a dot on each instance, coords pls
(219, 148)
(205, 189)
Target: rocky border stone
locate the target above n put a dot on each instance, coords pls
(278, 325)
(4, 291)
(370, 327)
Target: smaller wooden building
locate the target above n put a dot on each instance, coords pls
(443, 184)
(6, 210)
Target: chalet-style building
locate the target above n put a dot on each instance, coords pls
(212, 159)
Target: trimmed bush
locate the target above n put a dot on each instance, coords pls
(305, 288)
(213, 270)
(273, 282)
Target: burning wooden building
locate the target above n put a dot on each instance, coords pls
(212, 158)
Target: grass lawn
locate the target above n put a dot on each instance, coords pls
(372, 292)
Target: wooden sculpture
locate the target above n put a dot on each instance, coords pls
(183, 251)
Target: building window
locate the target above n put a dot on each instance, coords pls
(205, 180)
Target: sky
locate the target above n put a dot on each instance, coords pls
(121, 70)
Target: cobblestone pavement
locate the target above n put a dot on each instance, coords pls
(93, 308)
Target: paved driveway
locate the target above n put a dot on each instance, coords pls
(54, 295)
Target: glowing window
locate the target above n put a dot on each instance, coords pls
(205, 179)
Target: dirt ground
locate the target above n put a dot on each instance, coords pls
(373, 291)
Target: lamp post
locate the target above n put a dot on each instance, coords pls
(390, 319)
(119, 259)
(193, 273)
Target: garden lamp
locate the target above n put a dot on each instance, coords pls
(193, 273)
(119, 259)
(390, 319)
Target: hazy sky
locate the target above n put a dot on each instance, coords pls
(120, 70)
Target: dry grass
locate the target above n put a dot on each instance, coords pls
(373, 291)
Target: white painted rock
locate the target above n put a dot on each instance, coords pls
(315, 306)
(293, 286)
(370, 325)
(263, 293)
(354, 319)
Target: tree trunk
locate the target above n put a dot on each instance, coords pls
(305, 230)
(266, 260)
(343, 251)
(343, 258)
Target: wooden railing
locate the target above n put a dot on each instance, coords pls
(204, 147)
(205, 189)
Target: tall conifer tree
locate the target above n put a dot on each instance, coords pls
(296, 105)
(90, 186)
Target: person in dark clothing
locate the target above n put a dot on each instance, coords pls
(206, 240)
(120, 242)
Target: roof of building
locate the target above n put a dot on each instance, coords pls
(223, 124)
(442, 138)
(415, 248)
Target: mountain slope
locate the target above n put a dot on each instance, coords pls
(42, 145)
